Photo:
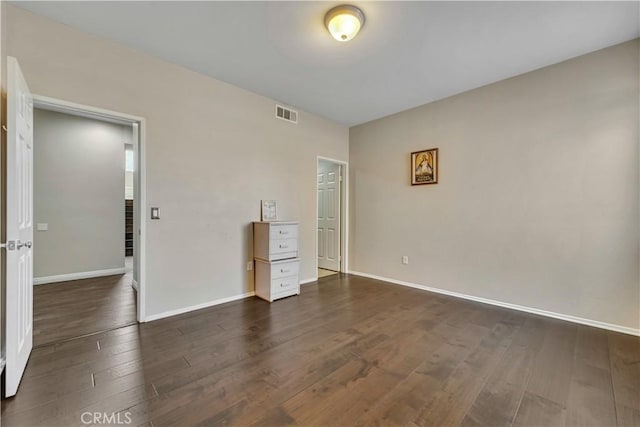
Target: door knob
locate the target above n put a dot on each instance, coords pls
(25, 245)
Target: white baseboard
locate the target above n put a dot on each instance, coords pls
(78, 276)
(175, 312)
(566, 317)
(134, 284)
(210, 304)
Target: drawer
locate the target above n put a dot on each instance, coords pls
(283, 231)
(283, 246)
(285, 269)
(284, 284)
(285, 294)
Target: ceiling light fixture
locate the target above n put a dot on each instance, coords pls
(344, 22)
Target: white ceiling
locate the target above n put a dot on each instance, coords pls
(407, 54)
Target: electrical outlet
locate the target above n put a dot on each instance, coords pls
(405, 260)
(249, 265)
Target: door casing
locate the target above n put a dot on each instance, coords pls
(329, 215)
(140, 191)
(344, 213)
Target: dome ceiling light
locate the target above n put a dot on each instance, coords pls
(344, 22)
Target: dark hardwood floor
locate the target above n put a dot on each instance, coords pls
(70, 309)
(348, 351)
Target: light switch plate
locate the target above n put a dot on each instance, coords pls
(155, 213)
(42, 227)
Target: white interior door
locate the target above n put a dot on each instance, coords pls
(329, 215)
(19, 296)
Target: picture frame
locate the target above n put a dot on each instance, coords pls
(424, 167)
(269, 210)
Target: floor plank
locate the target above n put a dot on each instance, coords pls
(591, 399)
(501, 396)
(624, 355)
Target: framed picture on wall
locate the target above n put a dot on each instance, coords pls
(269, 210)
(424, 167)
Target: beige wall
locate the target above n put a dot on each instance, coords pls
(537, 200)
(79, 192)
(213, 152)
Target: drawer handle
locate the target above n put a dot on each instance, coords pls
(283, 246)
(284, 232)
(282, 270)
(282, 285)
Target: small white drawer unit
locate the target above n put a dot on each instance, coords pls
(277, 279)
(277, 266)
(273, 241)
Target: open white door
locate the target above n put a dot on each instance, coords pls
(19, 297)
(329, 215)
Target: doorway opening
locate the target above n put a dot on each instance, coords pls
(331, 214)
(87, 198)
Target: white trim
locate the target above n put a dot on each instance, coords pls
(175, 312)
(305, 281)
(60, 105)
(141, 211)
(344, 211)
(134, 284)
(566, 317)
(78, 276)
(2, 364)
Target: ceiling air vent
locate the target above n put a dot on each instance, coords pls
(286, 114)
